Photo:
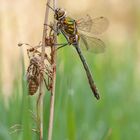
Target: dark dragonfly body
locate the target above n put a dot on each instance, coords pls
(70, 29)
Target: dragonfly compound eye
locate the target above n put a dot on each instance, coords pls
(59, 14)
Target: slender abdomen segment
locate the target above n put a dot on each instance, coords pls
(89, 75)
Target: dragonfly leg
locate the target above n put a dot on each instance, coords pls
(52, 27)
(62, 45)
(47, 84)
(50, 7)
(47, 57)
(49, 74)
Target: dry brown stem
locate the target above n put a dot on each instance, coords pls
(52, 98)
(41, 91)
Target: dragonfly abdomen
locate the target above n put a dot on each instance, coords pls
(89, 75)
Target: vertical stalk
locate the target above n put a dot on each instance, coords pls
(41, 92)
(52, 98)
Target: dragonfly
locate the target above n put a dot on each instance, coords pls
(81, 34)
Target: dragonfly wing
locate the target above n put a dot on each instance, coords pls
(91, 44)
(85, 23)
(93, 25)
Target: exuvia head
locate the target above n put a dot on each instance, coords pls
(59, 14)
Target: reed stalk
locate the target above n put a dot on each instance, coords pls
(41, 91)
(52, 98)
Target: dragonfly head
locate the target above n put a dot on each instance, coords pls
(59, 14)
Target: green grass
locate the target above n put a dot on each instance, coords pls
(78, 115)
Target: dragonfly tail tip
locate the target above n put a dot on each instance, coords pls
(97, 96)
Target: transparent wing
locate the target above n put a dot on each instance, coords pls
(91, 44)
(93, 25)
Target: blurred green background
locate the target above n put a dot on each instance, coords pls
(78, 115)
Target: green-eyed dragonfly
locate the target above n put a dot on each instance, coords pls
(78, 32)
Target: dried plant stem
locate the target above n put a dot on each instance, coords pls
(52, 98)
(41, 91)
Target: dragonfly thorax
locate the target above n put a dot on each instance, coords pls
(69, 26)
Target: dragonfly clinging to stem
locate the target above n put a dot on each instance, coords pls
(79, 32)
